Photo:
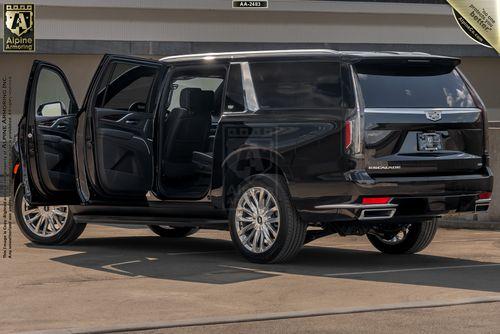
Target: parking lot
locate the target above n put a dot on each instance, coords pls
(119, 279)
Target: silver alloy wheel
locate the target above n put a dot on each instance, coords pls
(397, 238)
(257, 219)
(44, 221)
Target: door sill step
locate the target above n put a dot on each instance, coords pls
(170, 221)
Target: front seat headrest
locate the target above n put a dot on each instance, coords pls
(196, 100)
(208, 101)
(191, 98)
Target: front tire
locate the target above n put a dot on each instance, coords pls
(410, 239)
(173, 232)
(264, 225)
(45, 225)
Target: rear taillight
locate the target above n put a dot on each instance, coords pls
(485, 195)
(347, 135)
(376, 200)
(16, 168)
(479, 104)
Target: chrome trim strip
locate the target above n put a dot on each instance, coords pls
(248, 87)
(215, 55)
(356, 206)
(358, 142)
(420, 111)
(483, 201)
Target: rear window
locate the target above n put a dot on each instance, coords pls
(398, 86)
(296, 84)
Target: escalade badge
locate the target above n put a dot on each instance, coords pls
(434, 115)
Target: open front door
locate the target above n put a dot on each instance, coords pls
(46, 137)
(114, 140)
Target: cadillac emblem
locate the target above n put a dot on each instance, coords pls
(434, 115)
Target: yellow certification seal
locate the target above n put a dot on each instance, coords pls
(479, 20)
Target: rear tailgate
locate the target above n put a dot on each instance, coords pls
(420, 118)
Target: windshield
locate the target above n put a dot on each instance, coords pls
(399, 86)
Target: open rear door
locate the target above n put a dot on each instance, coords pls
(114, 140)
(46, 137)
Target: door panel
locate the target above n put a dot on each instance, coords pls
(56, 153)
(46, 137)
(115, 136)
(124, 151)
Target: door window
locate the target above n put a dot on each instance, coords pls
(52, 98)
(181, 83)
(126, 87)
(298, 84)
(235, 101)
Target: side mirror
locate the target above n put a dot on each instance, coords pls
(51, 109)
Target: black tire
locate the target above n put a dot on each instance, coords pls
(418, 237)
(292, 231)
(67, 234)
(173, 232)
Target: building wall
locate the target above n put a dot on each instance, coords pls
(484, 74)
(124, 24)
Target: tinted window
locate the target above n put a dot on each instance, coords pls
(128, 87)
(235, 101)
(52, 98)
(297, 84)
(182, 82)
(413, 87)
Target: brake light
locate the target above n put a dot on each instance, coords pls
(347, 135)
(376, 200)
(485, 195)
(16, 168)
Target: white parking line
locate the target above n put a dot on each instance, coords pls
(271, 316)
(201, 252)
(412, 269)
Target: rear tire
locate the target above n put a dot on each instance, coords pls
(416, 238)
(262, 210)
(45, 225)
(173, 232)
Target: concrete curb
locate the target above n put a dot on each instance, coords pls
(469, 224)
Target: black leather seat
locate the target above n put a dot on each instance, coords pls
(186, 131)
(203, 161)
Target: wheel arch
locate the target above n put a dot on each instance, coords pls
(245, 163)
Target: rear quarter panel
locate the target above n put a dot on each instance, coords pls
(305, 146)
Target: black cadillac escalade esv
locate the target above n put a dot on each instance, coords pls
(279, 147)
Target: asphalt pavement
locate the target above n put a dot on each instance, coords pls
(120, 279)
